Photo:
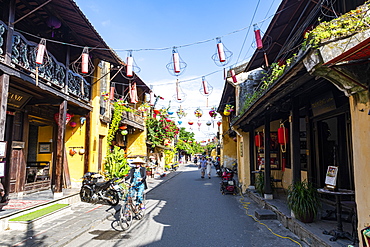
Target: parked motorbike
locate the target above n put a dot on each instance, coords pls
(218, 168)
(228, 184)
(93, 191)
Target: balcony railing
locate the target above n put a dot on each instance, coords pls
(52, 72)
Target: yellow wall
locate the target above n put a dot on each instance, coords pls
(45, 134)
(228, 150)
(361, 159)
(136, 145)
(75, 140)
(97, 127)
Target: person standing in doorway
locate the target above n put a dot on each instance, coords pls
(209, 166)
(202, 166)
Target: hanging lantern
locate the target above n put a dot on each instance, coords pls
(258, 140)
(124, 132)
(133, 93)
(85, 61)
(170, 112)
(40, 51)
(209, 123)
(176, 66)
(283, 135)
(222, 55)
(233, 76)
(73, 124)
(53, 23)
(82, 120)
(180, 113)
(112, 89)
(198, 113)
(72, 151)
(179, 122)
(68, 117)
(219, 123)
(199, 124)
(168, 120)
(235, 139)
(129, 71)
(221, 52)
(213, 112)
(123, 127)
(204, 84)
(190, 123)
(151, 98)
(257, 34)
(81, 151)
(176, 61)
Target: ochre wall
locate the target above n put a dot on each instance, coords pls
(45, 134)
(361, 159)
(75, 140)
(97, 127)
(136, 143)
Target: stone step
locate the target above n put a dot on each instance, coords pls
(265, 214)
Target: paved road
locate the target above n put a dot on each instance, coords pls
(189, 211)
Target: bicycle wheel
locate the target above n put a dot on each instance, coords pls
(141, 210)
(113, 197)
(86, 194)
(125, 217)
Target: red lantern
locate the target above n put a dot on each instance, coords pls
(190, 123)
(233, 76)
(221, 53)
(68, 117)
(258, 140)
(283, 135)
(176, 62)
(204, 83)
(123, 127)
(257, 34)
(219, 123)
(73, 124)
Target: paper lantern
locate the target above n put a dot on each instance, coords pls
(221, 53)
(81, 151)
(219, 123)
(123, 127)
(68, 117)
(53, 23)
(233, 76)
(73, 124)
(179, 122)
(258, 140)
(129, 71)
(208, 123)
(124, 132)
(190, 123)
(82, 120)
(176, 62)
(41, 51)
(283, 135)
(257, 34)
(85, 61)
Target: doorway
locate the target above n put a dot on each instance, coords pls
(333, 136)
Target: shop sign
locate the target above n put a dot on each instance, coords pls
(323, 104)
(17, 99)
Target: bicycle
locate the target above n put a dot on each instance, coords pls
(130, 209)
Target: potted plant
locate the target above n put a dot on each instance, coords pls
(228, 109)
(304, 201)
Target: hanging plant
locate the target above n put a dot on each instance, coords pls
(213, 112)
(181, 113)
(119, 108)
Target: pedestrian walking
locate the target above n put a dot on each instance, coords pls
(209, 166)
(202, 166)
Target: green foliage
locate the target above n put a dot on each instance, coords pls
(160, 129)
(119, 107)
(116, 163)
(354, 21)
(39, 213)
(303, 200)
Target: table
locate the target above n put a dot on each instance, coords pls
(338, 233)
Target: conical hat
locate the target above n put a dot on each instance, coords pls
(137, 160)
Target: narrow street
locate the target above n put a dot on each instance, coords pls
(190, 211)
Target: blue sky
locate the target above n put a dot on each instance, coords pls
(156, 24)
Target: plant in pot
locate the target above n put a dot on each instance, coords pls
(228, 109)
(304, 201)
